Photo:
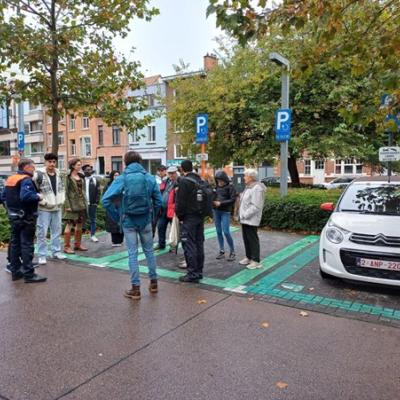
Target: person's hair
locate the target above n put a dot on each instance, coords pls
(162, 168)
(187, 166)
(112, 174)
(24, 162)
(73, 162)
(86, 166)
(131, 157)
(252, 173)
(50, 156)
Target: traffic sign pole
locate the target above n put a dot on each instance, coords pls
(284, 145)
(203, 162)
(202, 138)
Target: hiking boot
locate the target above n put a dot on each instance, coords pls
(133, 293)
(35, 278)
(221, 255)
(232, 256)
(245, 261)
(188, 279)
(153, 288)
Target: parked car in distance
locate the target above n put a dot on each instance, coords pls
(361, 240)
(3, 178)
(273, 180)
(339, 183)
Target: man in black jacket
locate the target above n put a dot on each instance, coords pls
(192, 223)
(93, 197)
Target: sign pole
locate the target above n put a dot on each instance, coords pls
(203, 162)
(284, 145)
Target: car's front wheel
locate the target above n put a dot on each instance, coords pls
(324, 275)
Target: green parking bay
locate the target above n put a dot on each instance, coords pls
(289, 275)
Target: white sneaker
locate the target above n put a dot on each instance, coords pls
(254, 265)
(42, 260)
(245, 261)
(94, 239)
(116, 245)
(59, 256)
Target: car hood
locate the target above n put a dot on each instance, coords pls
(367, 223)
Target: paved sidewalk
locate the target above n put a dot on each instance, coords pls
(77, 337)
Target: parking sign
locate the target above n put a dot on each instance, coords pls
(21, 141)
(283, 121)
(201, 128)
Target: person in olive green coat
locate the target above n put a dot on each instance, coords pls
(75, 206)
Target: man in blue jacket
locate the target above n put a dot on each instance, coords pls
(134, 199)
(22, 198)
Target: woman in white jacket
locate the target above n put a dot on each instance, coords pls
(250, 213)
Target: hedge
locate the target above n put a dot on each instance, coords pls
(299, 210)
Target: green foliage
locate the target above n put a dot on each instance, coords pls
(299, 211)
(4, 226)
(64, 49)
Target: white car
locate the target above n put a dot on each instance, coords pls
(339, 183)
(361, 240)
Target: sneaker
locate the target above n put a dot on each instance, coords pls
(116, 245)
(153, 288)
(254, 265)
(232, 256)
(188, 279)
(35, 278)
(94, 239)
(245, 261)
(7, 269)
(182, 265)
(221, 255)
(42, 260)
(133, 293)
(59, 256)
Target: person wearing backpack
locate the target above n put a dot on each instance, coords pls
(51, 185)
(139, 200)
(193, 204)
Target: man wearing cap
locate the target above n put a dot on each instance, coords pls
(167, 212)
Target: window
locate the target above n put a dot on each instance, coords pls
(60, 138)
(348, 166)
(85, 121)
(35, 126)
(150, 100)
(72, 122)
(86, 146)
(134, 138)
(179, 153)
(116, 163)
(61, 162)
(37, 148)
(151, 134)
(27, 129)
(33, 106)
(72, 147)
(307, 167)
(319, 164)
(338, 167)
(100, 132)
(5, 148)
(116, 135)
(359, 166)
(49, 119)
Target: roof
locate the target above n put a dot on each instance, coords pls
(380, 178)
(152, 80)
(184, 75)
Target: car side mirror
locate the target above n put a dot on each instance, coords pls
(327, 207)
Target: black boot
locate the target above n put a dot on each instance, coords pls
(35, 278)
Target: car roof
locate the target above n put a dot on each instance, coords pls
(380, 178)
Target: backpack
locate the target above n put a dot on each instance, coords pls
(204, 197)
(136, 197)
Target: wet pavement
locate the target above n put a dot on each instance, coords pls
(238, 335)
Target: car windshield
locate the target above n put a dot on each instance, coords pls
(372, 198)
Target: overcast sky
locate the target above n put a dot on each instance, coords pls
(181, 31)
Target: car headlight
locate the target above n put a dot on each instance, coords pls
(335, 234)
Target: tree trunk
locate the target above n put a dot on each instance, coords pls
(55, 115)
(294, 173)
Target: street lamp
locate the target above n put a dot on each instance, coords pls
(285, 64)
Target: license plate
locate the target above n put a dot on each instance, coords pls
(378, 264)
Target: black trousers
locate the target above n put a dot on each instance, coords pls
(163, 222)
(251, 242)
(22, 246)
(192, 237)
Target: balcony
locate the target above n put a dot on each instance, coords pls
(35, 136)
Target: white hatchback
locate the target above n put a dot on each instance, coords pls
(361, 240)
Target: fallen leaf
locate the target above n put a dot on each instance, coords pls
(265, 325)
(281, 385)
(304, 313)
(202, 301)
(251, 298)
(311, 289)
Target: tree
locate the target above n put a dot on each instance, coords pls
(65, 50)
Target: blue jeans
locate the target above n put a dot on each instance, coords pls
(146, 239)
(222, 220)
(46, 220)
(92, 217)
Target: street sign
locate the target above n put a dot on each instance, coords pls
(201, 128)
(202, 157)
(283, 121)
(391, 153)
(21, 141)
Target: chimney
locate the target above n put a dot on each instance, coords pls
(210, 61)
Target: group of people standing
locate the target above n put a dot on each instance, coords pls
(136, 206)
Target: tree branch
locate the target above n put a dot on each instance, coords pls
(29, 9)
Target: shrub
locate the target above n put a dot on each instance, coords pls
(4, 226)
(299, 210)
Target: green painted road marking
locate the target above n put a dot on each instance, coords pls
(246, 275)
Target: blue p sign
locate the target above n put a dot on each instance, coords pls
(21, 141)
(283, 121)
(202, 128)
